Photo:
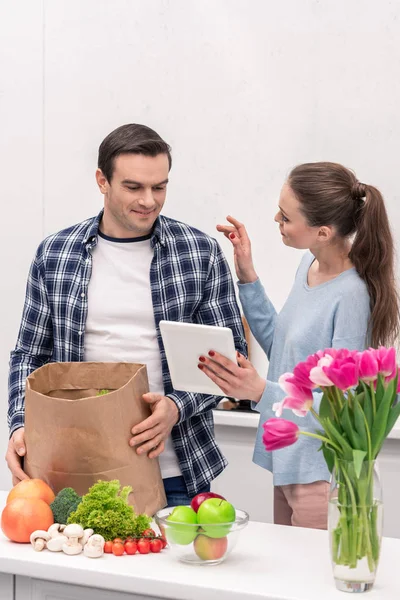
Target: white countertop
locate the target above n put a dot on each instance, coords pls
(270, 562)
(238, 418)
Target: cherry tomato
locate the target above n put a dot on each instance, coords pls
(108, 547)
(162, 540)
(156, 545)
(143, 546)
(118, 541)
(131, 547)
(149, 533)
(118, 549)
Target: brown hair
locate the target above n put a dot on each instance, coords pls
(330, 194)
(130, 139)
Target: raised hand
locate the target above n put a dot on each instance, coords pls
(237, 235)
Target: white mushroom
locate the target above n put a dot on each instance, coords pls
(72, 548)
(39, 538)
(55, 544)
(94, 548)
(86, 535)
(74, 533)
(55, 530)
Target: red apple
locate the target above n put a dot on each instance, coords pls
(199, 499)
(210, 548)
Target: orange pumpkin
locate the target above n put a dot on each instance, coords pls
(32, 488)
(23, 516)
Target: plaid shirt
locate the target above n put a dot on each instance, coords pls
(190, 281)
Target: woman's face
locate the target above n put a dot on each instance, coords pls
(293, 226)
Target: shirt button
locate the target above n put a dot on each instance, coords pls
(83, 295)
(80, 332)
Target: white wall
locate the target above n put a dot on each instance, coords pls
(241, 89)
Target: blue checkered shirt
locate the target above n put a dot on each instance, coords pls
(190, 281)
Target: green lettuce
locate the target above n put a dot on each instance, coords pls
(105, 509)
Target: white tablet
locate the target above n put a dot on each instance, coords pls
(184, 343)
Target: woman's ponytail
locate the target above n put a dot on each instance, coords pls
(372, 254)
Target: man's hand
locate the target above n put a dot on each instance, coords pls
(151, 433)
(15, 450)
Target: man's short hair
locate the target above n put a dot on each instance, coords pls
(130, 139)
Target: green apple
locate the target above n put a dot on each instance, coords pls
(212, 512)
(208, 548)
(181, 529)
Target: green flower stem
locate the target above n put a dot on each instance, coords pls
(354, 520)
(370, 494)
(373, 399)
(356, 535)
(366, 523)
(350, 398)
(360, 538)
(369, 443)
(338, 398)
(332, 399)
(315, 415)
(322, 438)
(374, 533)
(335, 546)
(344, 555)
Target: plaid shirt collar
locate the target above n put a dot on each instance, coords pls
(159, 231)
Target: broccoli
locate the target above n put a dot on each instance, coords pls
(66, 502)
(74, 506)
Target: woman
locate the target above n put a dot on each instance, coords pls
(343, 296)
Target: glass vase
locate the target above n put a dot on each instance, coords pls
(355, 522)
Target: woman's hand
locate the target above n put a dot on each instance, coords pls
(238, 381)
(237, 234)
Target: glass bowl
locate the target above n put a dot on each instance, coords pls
(200, 543)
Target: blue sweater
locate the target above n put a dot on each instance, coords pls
(333, 314)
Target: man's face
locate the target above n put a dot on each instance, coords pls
(134, 197)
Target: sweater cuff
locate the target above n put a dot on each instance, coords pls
(250, 290)
(265, 403)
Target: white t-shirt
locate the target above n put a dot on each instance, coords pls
(120, 323)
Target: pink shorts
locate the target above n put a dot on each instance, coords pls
(302, 504)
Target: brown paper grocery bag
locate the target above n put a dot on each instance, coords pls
(75, 437)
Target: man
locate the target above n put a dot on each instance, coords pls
(98, 290)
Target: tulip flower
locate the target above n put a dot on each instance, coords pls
(368, 366)
(386, 358)
(392, 376)
(299, 399)
(300, 407)
(278, 407)
(279, 433)
(301, 372)
(343, 373)
(317, 374)
(294, 387)
(333, 352)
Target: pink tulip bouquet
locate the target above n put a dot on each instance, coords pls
(357, 411)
